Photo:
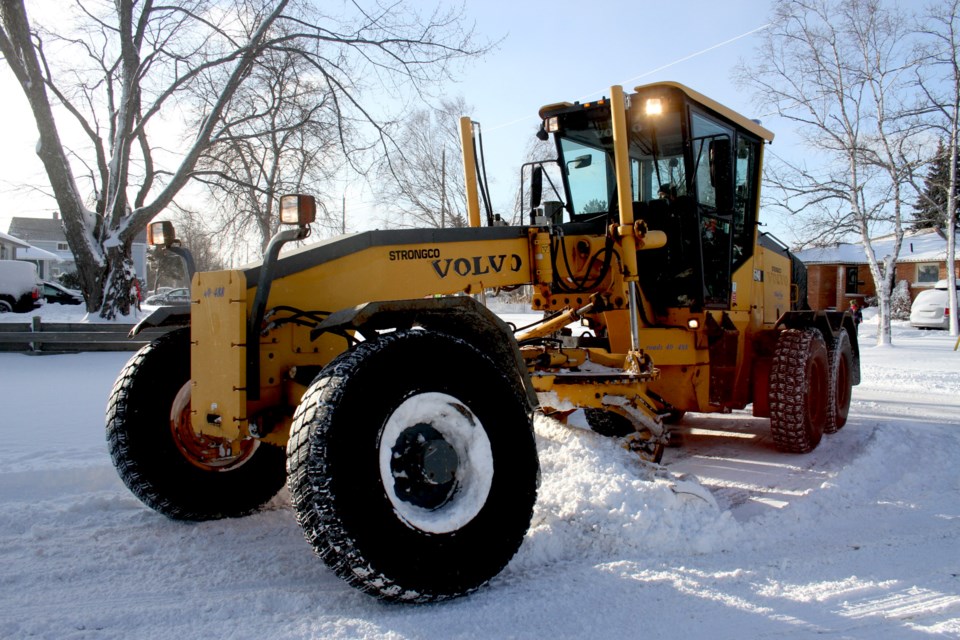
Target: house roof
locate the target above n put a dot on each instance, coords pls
(27, 251)
(36, 253)
(10, 239)
(925, 245)
(47, 229)
(34, 229)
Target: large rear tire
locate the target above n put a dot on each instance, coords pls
(798, 390)
(840, 389)
(413, 482)
(158, 456)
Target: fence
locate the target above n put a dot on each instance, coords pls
(59, 337)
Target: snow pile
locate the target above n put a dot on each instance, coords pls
(597, 500)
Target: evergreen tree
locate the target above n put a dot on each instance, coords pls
(931, 207)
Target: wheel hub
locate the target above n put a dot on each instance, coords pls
(436, 462)
(424, 467)
(206, 452)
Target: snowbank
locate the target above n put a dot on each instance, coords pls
(728, 539)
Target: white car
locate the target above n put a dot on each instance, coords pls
(930, 309)
(19, 286)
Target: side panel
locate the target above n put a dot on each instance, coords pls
(774, 274)
(218, 334)
(401, 271)
(342, 274)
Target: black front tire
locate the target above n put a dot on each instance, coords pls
(153, 456)
(370, 501)
(798, 390)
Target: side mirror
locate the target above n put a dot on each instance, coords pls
(298, 209)
(580, 162)
(536, 187)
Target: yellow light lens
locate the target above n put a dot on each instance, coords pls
(654, 107)
(693, 324)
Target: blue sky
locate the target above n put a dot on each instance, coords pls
(566, 51)
(548, 52)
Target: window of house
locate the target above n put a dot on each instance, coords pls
(928, 273)
(63, 246)
(852, 281)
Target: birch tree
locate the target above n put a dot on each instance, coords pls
(939, 80)
(838, 69)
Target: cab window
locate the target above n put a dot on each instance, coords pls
(589, 176)
(746, 177)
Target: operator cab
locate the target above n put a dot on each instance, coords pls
(694, 174)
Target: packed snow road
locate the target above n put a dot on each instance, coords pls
(729, 539)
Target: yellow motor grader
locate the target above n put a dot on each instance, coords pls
(366, 373)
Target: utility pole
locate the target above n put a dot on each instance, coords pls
(443, 187)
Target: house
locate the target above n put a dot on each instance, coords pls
(13, 248)
(9, 246)
(839, 273)
(47, 234)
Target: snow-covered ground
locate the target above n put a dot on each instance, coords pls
(729, 539)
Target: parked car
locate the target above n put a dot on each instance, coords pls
(59, 294)
(174, 296)
(930, 309)
(19, 286)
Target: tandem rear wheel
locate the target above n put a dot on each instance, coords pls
(810, 388)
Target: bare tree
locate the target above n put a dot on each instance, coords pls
(838, 69)
(119, 68)
(112, 56)
(423, 185)
(939, 80)
(281, 135)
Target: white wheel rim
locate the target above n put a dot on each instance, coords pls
(463, 436)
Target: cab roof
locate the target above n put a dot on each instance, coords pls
(741, 121)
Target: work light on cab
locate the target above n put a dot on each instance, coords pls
(297, 209)
(161, 234)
